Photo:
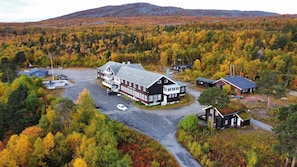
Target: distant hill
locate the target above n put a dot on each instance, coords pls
(146, 9)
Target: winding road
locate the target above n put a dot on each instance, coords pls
(161, 125)
(158, 124)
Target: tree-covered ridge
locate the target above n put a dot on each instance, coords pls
(55, 131)
(251, 45)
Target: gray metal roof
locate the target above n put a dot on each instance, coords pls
(115, 66)
(140, 77)
(32, 71)
(241, 82)
(206, 80)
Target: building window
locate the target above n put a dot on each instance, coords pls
(144, 89)
(226, 122)
(182, 89)
(160, 82)
(166, 81)
(150, 98)
(159, 96)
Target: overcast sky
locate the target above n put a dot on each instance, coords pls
(36, 10)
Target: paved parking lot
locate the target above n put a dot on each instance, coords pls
(158, 124)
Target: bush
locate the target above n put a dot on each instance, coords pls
(189, 123)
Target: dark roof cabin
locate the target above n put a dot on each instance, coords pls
(204, 82)
(231, 116)
(239, 84)
(181, 67)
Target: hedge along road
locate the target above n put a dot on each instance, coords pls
(161, 125)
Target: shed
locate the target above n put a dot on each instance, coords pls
(181, 67)
(204, 82)
(41, 73)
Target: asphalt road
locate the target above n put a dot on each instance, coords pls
(159, 124)
(261, 125)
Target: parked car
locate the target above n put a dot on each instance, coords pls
(111, 92)
(62, 77)
(122, 107)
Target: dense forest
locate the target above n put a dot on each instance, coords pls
(38, 129)
(250, 45)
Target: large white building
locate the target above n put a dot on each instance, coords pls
(139, 84)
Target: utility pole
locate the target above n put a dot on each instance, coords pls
(232, 71)
(51, 58)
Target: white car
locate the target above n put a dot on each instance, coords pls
(122, 107)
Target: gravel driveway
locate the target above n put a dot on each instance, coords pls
(159, 124)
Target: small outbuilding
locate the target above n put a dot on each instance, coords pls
(41, 73)
(181, 67)
(205, 82)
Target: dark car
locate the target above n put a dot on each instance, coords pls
(62, 77)
(111, 93)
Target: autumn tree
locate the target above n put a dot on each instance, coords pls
(8, 71)
(37, 158)
(189, 123)
(48, 148)
(3, 124)
(19, 58)
(7, 158)
(85, 106)
(63, 109)
(287, 134)
(215, 97)
(16, 109)
(21, 148)
(268, 84)
(79, 162)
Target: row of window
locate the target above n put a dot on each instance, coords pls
(172, 89)
(137, 87)
(134, 93)
(172, 95)
(154, 98)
